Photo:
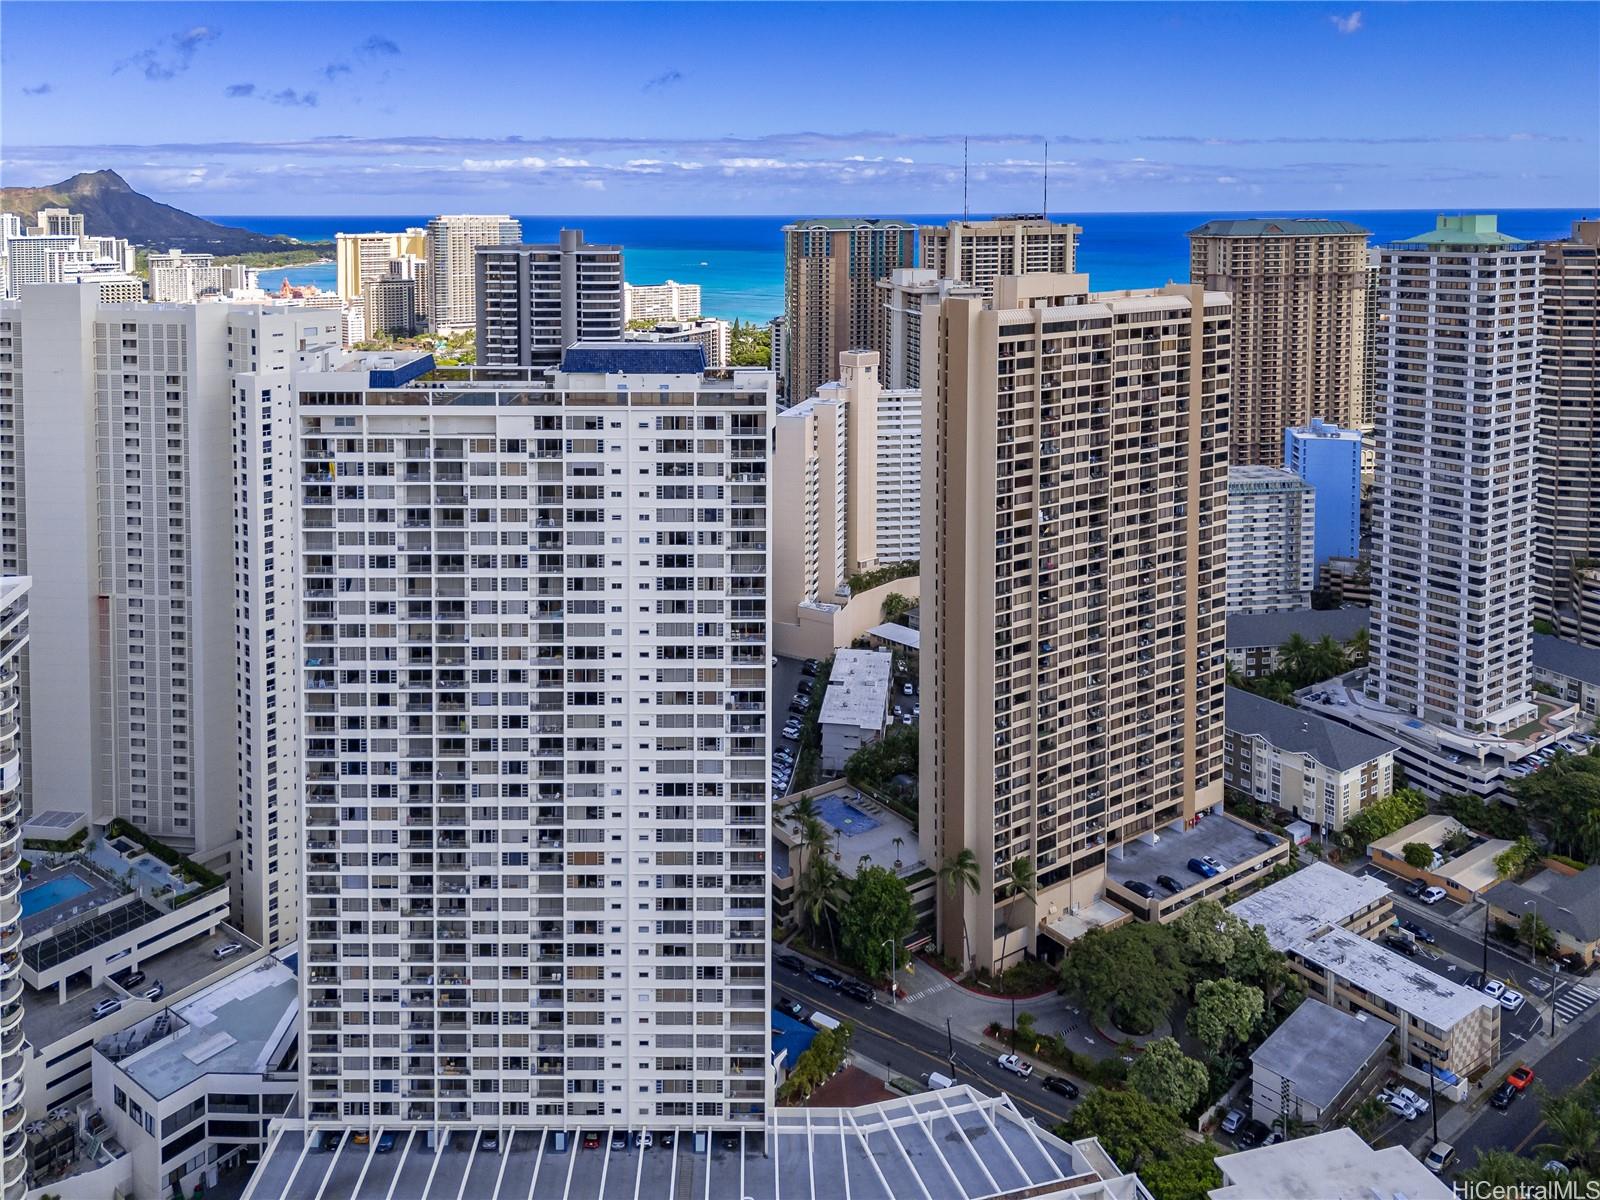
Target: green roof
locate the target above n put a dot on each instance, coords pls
(1278, 227)
(849, 223)
(1474, 229)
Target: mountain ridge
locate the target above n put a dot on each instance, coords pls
(111, 208)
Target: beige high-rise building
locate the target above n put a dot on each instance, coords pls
(906, 328)
(1300, 290)
(1073, 556)
(979, 252)
(1567, 517)
(362, 257)
(830, 297)
(453, 242)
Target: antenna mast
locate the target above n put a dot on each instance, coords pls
(964, 210)
(1047, 179)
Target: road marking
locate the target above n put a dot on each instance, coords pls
(938, 985)
(1575, 1000)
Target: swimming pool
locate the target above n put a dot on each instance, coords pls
(844, 816)
(57, 891)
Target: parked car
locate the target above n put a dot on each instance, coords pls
(128, 978)
(489, 1141)
(591, 1139)
(361, 1138)
(1432, 895)
(1171, 884)
(857, 990)
(1274, 1138)
(1266, 838)
(1200, 867)
(1510, 1000)
(1400, 943)
(106, 1007)
(1398, 1106)
(1211, 861)
(1417, 931)
(790, 962)
(385, 1143)
(666, 1139)
(1140, 888)
(1440, 1157)
(908, 690)
(1493, 988)
(226, 950)
(1252, 1134)
(619, 1139)
(642, 1139)
(1415, 888)
(790, 1008)
(1503, 1096)
(155, 991)
(1061, 1087)
(809, 667)
(1231, 1120)
(827, 978)
(1010, 1062)
(1418, 1102)
(1520, 1078)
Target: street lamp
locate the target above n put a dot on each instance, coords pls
(894, 964)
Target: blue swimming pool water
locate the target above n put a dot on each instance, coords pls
(48, 895)
(844, 816)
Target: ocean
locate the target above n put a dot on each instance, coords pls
(738, 260)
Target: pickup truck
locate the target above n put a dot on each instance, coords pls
(1015, 1065)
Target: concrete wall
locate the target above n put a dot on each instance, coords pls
(817, 633)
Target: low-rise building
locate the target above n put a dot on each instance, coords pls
(855, 707)
(1567, 902)
(1302, 763)
(1314, 1063)
(1336, 1163)
(1255, 640)
(1568, 671)
(1323, 920)
(1463, 861)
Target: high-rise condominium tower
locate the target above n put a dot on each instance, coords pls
(1299, 288)
(150, 498)
(536, 790)
(1329, 460)
(13, 636)
(979, 252)
(534, 301)
(452, 267)
(1458, 364)
(361, 258)
(1567, 525)
(905, 330)
(1073, 560)
(1271, 540)
(830, 297)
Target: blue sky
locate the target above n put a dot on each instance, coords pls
(309, 108)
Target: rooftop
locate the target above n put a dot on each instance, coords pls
(1253, 477)
(1395, 978)
(954, 1144)
(900, 635)
(1567, 903)
(1561, 657)
(1320, 1049)
(867, 830)
(634, 358)
(1278, 227)
(1299, 732)
(1474, 229)
(1313, 898)
(858, 689)
(240, 1025)
(1313, 624)
(836, 223)
(1336, 1165)
(1225, 838)
(1473, 868)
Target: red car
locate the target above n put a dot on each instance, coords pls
(1520, 1078)
(591, 1140)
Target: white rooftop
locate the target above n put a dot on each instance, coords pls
(1382, 973)
(901, 635)
(1313, 898)
(858, 689)
(1336, 1165)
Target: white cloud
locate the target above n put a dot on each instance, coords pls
(1350, 23)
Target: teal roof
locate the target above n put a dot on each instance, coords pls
(849, 223)
(1278, 227)
(1474, 229)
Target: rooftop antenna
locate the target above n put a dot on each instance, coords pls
(1047, 179)
(964, 211)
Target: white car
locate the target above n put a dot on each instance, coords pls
(1420, 1103)
(1432, 895)
(1015, 1065)
(1510, 1001)
(1398, 1106)
(1493, 989)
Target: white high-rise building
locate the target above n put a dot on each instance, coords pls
(177, 277)
(452, 245)
(13, 636)
(536, 759)
(145, 495)
(1272, 560)
(1458, 365)
(536, 300)
(669, 301)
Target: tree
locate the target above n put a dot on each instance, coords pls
(1565, 795)
(1132, 974)
(817, 1063)
(1211, 937)
(1165, 1075)
(803, 809)
(1225, 1012)
(1534, 933)
(958, 875)
(1575, 1130)
(1022, 881)
(1188, 1171)
(876, 764)
(1499, 1170)
(1418, 855)
(1130, 1128)
(1294, 658)
(1497, 820)
(1359, 647)
(1516, 858)
(897, 605)
(1366, 1117)
(875, 922)
(1382, 817)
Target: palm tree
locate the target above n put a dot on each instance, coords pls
(817, 892)
(1360, 646)
(1327, 658)
(803, 809)
(898, 842)
(1294, 658)
(1275, 687)
(1575, 1130)
(1024, 880)
(1236, 678)
(959, 875)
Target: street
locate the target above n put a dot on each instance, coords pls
(910, 1048)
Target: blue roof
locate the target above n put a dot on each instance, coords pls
(790, 1035)
(635, 358)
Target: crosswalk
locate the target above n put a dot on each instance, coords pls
(937, 984)
(1573, 1000)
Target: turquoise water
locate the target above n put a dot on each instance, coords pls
(844, 816)
(738, 261)
(48, 895)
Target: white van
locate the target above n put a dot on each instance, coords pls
(934, 1080)
(821, 1020)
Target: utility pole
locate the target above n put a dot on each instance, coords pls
(951, 1039)
(1433, 1107)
